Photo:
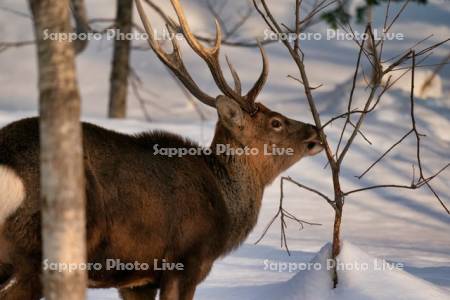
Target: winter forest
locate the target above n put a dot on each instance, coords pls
(224, 149)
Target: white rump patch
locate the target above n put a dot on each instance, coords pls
(10, 284)
(12, 192)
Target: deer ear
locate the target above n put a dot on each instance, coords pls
(230, 113)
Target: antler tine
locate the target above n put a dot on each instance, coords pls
(209, 55)
(173, 60)
(256, 89)
(237, 80)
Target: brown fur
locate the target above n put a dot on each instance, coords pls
(142, 207)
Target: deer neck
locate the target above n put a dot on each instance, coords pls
(242, 186)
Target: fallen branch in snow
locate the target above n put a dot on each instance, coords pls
(373, 54)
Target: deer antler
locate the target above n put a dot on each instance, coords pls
(173, 60)
(210, 56)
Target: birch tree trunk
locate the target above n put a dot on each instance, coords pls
(120, 64)
(62, 174)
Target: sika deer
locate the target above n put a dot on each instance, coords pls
(147, 208)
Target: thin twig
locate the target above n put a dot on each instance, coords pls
(283, 214)
(385, 153)
(350, 100)
(4, 46)
(225, 41)
(412, 186)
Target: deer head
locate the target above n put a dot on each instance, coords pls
(242, 121)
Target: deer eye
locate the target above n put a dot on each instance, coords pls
(276, 124)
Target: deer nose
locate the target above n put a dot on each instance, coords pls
(313, 142)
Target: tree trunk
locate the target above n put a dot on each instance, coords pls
(62, 174)
(120, 64)
(81, 24)
(336, 245)
(339, 205)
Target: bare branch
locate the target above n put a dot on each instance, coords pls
(283, 214)
(408, 55)
(412, 186)
(299, 81)
(360, 133)
(4, 46)
(413, 117)
(350, 100)
(225, 41)
(373, 53)
(15, 12)
(397, 15)
(438, 198)
(189, 98)
(358, 123)
(137, 88)
(422, 180)
(328, 199)
(385, 153)
(409, 49)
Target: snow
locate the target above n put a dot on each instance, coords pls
(433, 91)
(397, 226)
(379, 281)
(361, 277)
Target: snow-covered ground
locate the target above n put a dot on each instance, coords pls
(407, 228)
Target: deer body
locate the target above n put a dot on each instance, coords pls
(140, 207)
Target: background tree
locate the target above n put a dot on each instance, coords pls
(79, 13)
(340, 13)
(62, 181)
(120, 66)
